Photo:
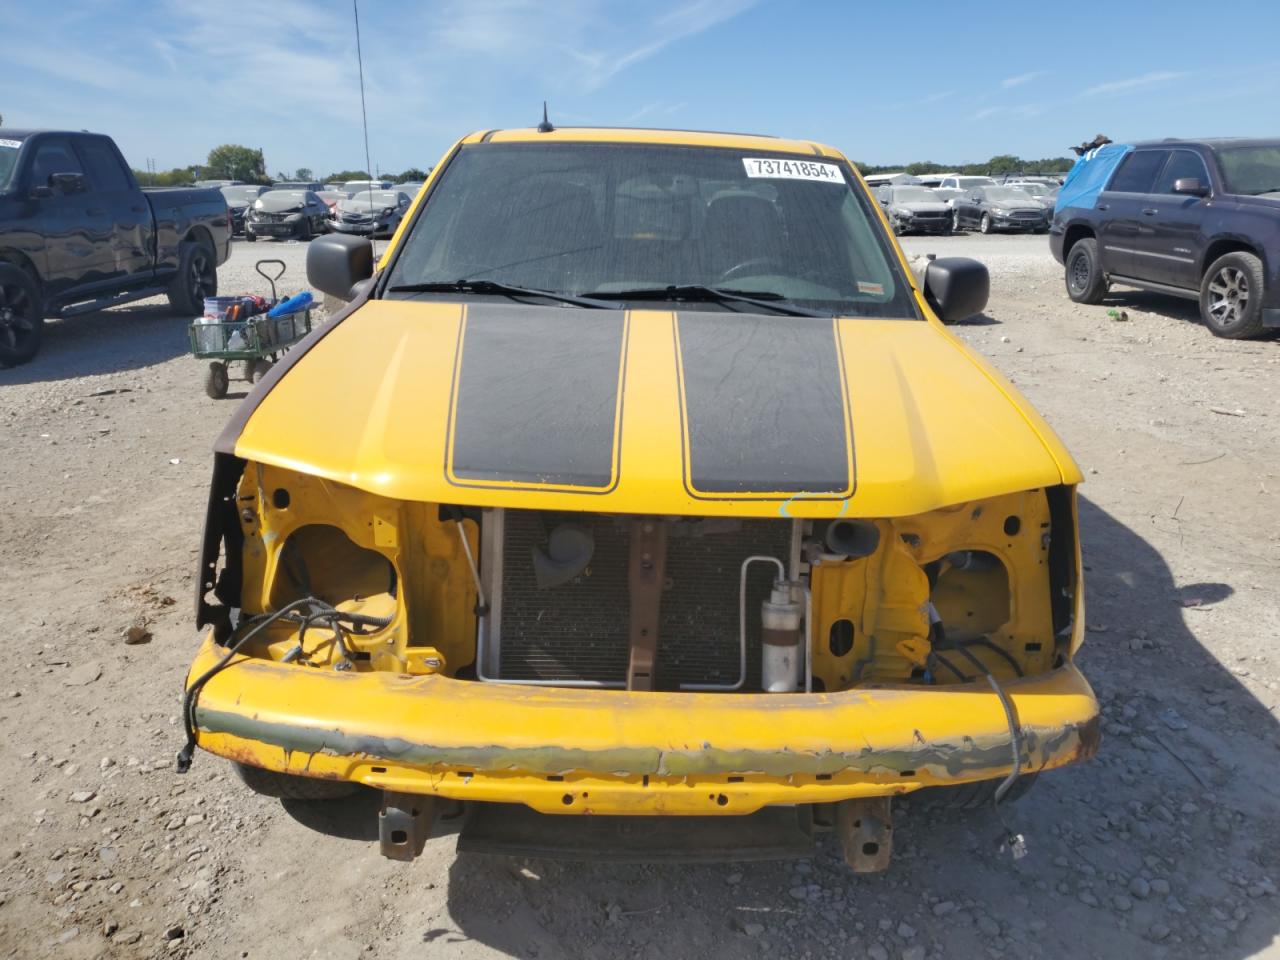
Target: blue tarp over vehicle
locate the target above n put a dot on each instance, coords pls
(1089, 175)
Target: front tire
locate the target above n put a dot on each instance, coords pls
(197, 278)
(984, 225)
(284, 786)
(1085, 281)
(955, 222)
(1231, 296)
(250, 236)
(21, 316)
(216, 380)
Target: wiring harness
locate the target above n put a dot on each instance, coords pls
(306, 612)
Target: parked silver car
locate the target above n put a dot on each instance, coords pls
(915, 209)
(370, 213)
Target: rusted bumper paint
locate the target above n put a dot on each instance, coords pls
(596, 751)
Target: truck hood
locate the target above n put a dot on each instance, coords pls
(646, 411)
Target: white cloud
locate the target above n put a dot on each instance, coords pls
(1020, 79)
(1021, 112)
(187, 75)
(1140, 82)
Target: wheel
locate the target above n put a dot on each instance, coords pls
(304, 231)
(257, 370)
(251, 237)
(1085, 281)
(197, 278)
(970, 796)
(984, 225)
(284, 786)
(216, 380)
(1231, 296)
(955, 221)
(21, 316)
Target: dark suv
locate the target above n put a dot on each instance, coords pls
(1194, 218)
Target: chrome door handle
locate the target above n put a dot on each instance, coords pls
(1102, 206)
(1150, 212)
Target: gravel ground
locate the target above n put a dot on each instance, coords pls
(1166, 845)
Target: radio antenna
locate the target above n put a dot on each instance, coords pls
(545, 126)
(364, 118)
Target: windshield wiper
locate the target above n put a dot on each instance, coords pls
(694, 292)
(502, 289)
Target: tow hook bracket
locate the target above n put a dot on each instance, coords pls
(865, 828)
(404, 823)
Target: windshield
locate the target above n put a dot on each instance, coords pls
(1007, 195)
(248, 194)
(1035, 189)
(914, 195)
(1251, 171)
(8, 160)
(278, 197)
(606, 218)
(968, 183)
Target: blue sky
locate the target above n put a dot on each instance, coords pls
(885, 82)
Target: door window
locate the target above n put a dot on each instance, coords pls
(1182, 164)
(103, 166)
(1137, 174)
(53, 156)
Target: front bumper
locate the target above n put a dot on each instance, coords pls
(929, 225)
(361, 229)
(1018, 223)
(578, 751)
(274, 229)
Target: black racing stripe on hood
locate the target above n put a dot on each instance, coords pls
(536, 397)
(765, 406)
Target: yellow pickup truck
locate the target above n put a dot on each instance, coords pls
(642, 480)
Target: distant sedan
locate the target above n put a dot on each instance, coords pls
(999, 208)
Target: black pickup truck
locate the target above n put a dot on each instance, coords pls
(1193, 218)
(78, 234)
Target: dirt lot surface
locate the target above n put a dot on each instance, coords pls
(1166, 845)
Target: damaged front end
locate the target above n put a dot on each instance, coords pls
(622, 665)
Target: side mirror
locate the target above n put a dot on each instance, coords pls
(68, 183)
(956, 287)
(1190, 186)
(337, 262)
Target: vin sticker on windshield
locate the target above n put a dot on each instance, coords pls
(10, 143)
(792, 169)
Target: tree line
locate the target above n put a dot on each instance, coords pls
(998, 165)
(231, 161)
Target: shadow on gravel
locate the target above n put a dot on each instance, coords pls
(977, 320)
(1160, 846)
(131, 337)
(351, 818)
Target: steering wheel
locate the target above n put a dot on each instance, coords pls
(739, 269)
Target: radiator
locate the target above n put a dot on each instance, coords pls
(578, 631)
